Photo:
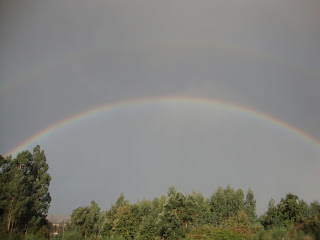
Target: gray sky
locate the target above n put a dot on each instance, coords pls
(59, 58)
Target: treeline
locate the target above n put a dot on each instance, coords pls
(227, 214)
(175, 216)
(170, 216)
(24, 195)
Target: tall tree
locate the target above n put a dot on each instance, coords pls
(19, 193)
(250, 206)
(40, 179)
(218, 203)
(239, 200)
(204, 214)
(178, 215)
(79, 220)
(24, 186)
(88, 220)
(289, 209)
(271, 217)
(5, 194)
(124, 222)
(169, 222)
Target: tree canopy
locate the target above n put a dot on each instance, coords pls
(25, 200)
(24, 187)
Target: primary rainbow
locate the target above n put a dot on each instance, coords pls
(175, 99)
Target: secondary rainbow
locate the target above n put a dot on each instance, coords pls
(46, 67)
(175, 99)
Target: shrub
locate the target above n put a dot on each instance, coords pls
(71, 235)
(300, 235)
(34, 237)
(208, 232)
(261, 235)
(279, 233)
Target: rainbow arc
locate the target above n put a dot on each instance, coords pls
(169, 99)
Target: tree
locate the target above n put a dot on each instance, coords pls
(289, 209)
(189, 212)
(204, 214)
(40, 179)
(250, 206)
(271, 217)
(218, 203)
(19, 192)
(231, 203)
(239, 199)
(25, 196)
(6, 195)
(88, 220)
(79, 220)
(178, 214)
(124, 222)
(225, 203)
(171, 190)
(169, 223)
(111, 213)
(315, 208)
(147, 228)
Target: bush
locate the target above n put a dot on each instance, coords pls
(261, 235)
(113, 238)
(34, 237)
(312, 226)
(13, 236)
(71, 235)
(300, 235)
(279, 233)
(208, 232)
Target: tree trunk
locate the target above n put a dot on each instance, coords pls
(9, 215)
(11, 230)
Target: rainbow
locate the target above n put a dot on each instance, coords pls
(169, 99)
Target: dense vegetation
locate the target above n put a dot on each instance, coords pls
(24, 198)
(227, 214)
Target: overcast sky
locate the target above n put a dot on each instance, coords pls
(59, 58)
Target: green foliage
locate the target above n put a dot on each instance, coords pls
(204, 215)
(170, 220)
(312, 226)
(147, 228)
(178, 215)
(207, 232)
(87, 220)
(289, 209)
(34, 237)
(113, 238)
(300, 235)
(227, 203)
(71, 235)
(240, 220)
(24, 186)
(172, 190)
(68, 235)
(12, 236)
(124, 222)
(250, 206)
(271, 217)
(260, 235)
(218, 205)
(227, 215)
(280, 233)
